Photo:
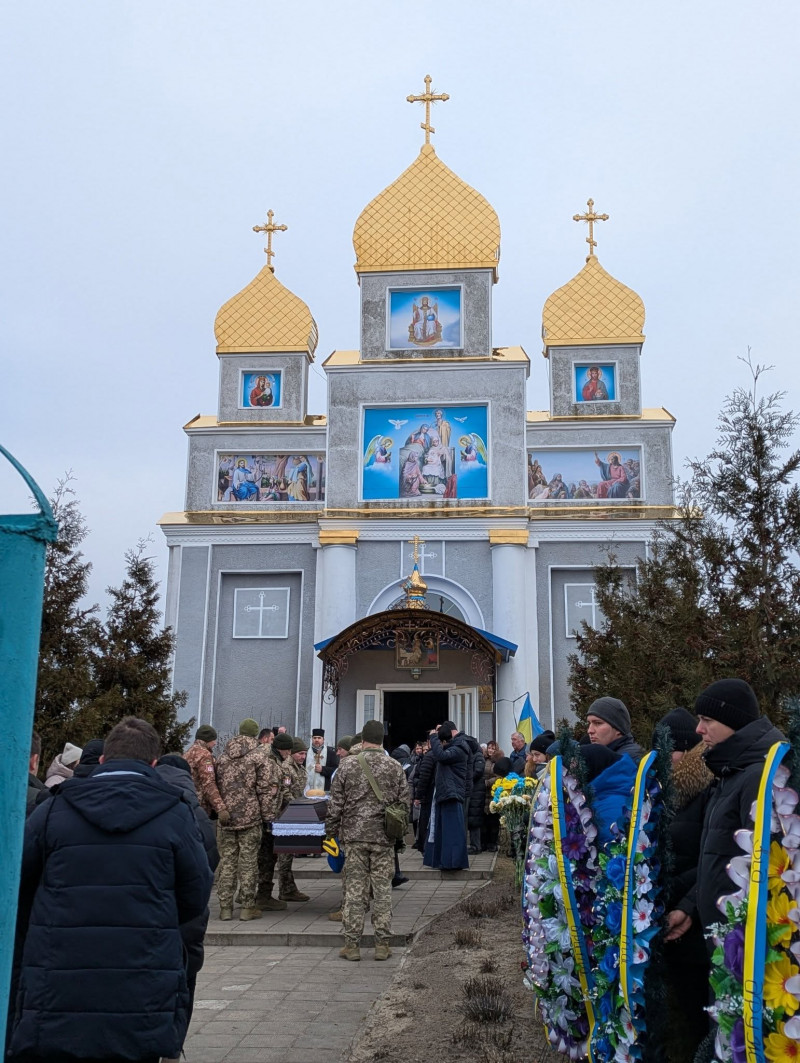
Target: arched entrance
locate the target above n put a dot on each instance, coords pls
(411, 669)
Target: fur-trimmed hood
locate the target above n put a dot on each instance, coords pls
(690, 776)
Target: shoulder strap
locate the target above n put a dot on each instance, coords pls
(362, 760)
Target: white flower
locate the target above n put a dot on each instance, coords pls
(642, 879)
(642, 911)
(628, 1031)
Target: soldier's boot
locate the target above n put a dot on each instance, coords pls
(250, 913)
(267, 903)
(382, 950)
(226, 913)
(294, 895)
(335, 917)
(350, 952)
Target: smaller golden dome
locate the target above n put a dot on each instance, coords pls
(592, 308)
(264, 317)
(415, 589)
(427, 219)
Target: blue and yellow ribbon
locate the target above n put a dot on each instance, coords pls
(755, 930)
(626, 938)
(580, 954)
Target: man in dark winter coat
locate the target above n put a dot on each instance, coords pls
(111, 866)
(609, 724)
(737, 739)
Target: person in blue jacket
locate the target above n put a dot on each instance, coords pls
(112, 865)
(611, 776)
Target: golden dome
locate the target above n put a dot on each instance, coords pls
(593, 307)
(427, 219)
(265, 317)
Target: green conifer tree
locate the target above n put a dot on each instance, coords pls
(719, 593)
(70, 631)
(132, 674)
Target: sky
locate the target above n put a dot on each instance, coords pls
(144, 139)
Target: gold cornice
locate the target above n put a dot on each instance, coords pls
(618, 511)
(655, 413)
(261, 516)
(204, 422)
(508, 536)
(428, 219)
(338, 536)
(430, 511)
(342, 359)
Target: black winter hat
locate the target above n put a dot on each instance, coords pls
(597, 758)
(729, 701)
(502, 767)
(174, 760)
(682, 727)
(205, 733)
(282, 741)
(612, 711)
(542, 742)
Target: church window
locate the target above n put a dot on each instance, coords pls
(580, 603)
(261, 613)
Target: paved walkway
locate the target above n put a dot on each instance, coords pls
(274, 990)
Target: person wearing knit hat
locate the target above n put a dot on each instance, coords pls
(294, 766)
(736, 739)
(62, 767)
(343, 746)
(279, 754)
(90, 758)
(200, 759)
(682, 727)
(249, 727)
(283, 741)
(609, 724)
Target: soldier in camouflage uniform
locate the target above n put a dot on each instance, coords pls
(287, 887)
(251, 788)
(278, 754)
(200, 759)
(356, 817)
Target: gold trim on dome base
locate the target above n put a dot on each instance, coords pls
(508, 536)
(593, 308)
(618, 511)
(428, 219)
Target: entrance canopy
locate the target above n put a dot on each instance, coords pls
(416, 636)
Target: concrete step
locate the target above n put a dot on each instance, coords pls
(414, 875)
(306, 939)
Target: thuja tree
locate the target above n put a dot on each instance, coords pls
(132, 672)
(70, 631)
(719, 593)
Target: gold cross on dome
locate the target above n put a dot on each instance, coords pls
(591, 217)
(416, 542)
(269, 229)
(428, 98)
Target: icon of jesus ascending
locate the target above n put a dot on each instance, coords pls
(425, 327)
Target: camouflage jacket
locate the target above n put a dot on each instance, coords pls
(287, 777)
(248, 783)
(299, 777)
(354, 812)
(201, 760)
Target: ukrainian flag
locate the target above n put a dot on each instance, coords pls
(529, 725)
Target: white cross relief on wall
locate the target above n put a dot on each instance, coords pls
(580, 603)
(261, 613)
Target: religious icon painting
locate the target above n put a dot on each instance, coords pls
(424, 318)
(425, 452)
(595, 383)
(260, 390)
(418, 648)
(607, 474)
(284, 478)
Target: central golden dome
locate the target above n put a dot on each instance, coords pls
(427, 219)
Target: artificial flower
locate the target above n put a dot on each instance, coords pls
(778, 1048)
(733, 952)
(737, 1042)
(779, 918)
(781, 982)
(779, 861)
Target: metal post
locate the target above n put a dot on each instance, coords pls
(23, 542)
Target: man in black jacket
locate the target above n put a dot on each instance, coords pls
(112, 865)
(737, 739)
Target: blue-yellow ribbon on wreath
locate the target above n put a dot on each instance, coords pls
(629, 979)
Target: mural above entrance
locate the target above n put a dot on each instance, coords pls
(595, 383)
(260, 390)
(270, 478)
(425, 452)
(417, 648)
(424, 318)
(585, 473)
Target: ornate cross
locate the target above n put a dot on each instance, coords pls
(591, 217)
(416, 542)
(269, 229)
(428, 98)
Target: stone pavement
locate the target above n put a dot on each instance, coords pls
(274, 990)
(413, 905)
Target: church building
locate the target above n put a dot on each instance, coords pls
(425, 550)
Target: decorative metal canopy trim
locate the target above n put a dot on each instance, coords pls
(380, 631)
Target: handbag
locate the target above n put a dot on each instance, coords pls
(395, 814)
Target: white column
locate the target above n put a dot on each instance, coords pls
(336, 607)
(509, 621)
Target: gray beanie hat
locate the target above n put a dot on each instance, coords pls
(614, 712)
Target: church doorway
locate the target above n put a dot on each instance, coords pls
(409, 715)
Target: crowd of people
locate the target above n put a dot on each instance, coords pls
(122, 844)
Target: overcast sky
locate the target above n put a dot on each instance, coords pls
(143, 140)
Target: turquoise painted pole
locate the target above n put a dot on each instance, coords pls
(23, 541)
